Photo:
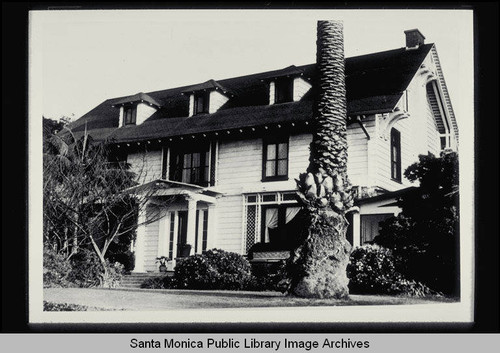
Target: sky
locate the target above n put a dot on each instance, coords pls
(78, 59)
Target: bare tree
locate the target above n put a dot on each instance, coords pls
(90, 200)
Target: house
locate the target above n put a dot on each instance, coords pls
(229, 150)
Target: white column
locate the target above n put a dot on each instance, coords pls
(120, 121)
(212, 227)
(356, 228)
(191, 105)
(139, 242)
(199, 233)
(163, 235)
(191, 223)
(272, 92)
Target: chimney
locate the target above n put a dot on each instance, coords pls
(414, 39)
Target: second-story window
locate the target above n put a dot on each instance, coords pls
(129, 114)
(283, 90)
(201, 102)
(396, 155)
(190, 166)
(275, 159)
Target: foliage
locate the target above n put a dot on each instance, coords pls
(165, 282)
(425, 236)
(56, 269)
(127, 259)
(372, 270)
(269, 276)
(88, 271)
(88, 203)
(213, 269)
(49, 306)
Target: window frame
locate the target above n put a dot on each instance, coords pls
(133, 116)
(205, 95)
(279, 87)
(395, 143)
(177, 157)
(275, 140)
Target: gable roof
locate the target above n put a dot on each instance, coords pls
(137, 98)
(374, 82)
(208, 85)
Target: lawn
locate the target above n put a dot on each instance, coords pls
(168, 299)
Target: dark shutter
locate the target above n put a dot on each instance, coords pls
(213, 161)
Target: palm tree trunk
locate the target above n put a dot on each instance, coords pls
(319, 264)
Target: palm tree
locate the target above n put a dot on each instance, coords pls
(319, 264)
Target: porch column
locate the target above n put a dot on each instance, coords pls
(139, 242)
(212, 224)
(356, 227)
(191, 223)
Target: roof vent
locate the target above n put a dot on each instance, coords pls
(414, 39)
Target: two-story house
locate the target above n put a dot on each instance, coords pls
(228, 151)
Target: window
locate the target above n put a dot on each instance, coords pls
(272, 218)
(396, 155)
(201, 101)
(283, 90)
(370, 226)
(190, 167)
(281, 226)
(275, 159)
(129, 114)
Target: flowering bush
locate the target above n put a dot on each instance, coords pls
(372, 270)
(214, 269)
(56, 269)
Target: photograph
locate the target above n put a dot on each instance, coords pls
(251, 166)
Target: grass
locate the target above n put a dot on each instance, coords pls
(172, 299)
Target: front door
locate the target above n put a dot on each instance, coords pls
(182, 232)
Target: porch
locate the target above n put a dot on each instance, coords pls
(179, 221)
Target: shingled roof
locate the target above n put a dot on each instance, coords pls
(375, 83)
(139, 97)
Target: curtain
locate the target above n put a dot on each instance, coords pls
(271, 221)
(291, 212)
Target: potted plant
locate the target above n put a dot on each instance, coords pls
(186, 250)
(163, 260)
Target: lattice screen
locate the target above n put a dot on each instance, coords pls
(251, 226)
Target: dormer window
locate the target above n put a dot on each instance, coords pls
(129, 115)
(207, 97)
(201, 102)
(283, 90)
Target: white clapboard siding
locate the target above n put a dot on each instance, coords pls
(298, 155)
(147, 166)
(382, 157)
(357, 151)
(151, 243)
(229, 223)
(300, 88)
(433, 141)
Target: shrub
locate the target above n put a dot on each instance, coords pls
(49, 306)
(214, 269)
(372, 270)
(56, 269)
(269, 276)
(166, 282)
(113, 275)
(127, 259)
(88, 271)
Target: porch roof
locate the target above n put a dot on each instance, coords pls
(163, 187)
(391, 196)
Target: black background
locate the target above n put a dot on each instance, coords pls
(15, 181)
